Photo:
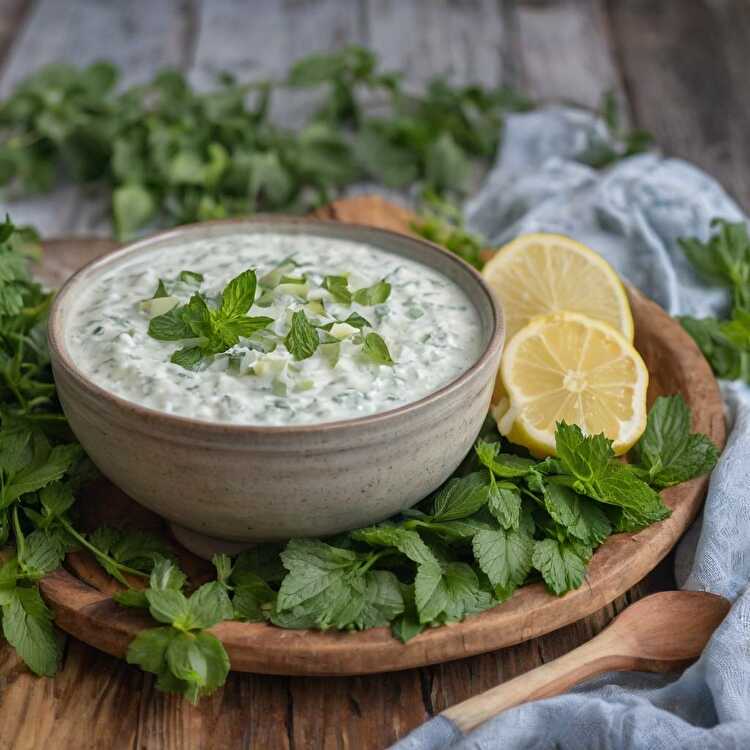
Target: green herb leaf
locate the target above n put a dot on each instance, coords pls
(189, 277)
(238, 295)
(375, 348)
(461, 497)
(338, 287)
(561, 567)
(448, 593)
(373, 295)
(302, 340)
(504, 555)
(667, 450)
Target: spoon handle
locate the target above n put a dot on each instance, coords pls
(590, 659)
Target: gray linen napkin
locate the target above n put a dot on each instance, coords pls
(632, 214)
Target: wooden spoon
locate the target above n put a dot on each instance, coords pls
(659, 633)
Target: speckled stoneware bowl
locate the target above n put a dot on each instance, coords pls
(239, 484)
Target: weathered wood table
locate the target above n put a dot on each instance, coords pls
(677, 66)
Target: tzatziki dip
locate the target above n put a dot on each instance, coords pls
(273, 329)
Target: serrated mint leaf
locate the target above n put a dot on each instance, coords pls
(447, 593)
(161, 291)
(209, 605)
(253, 598)
(41, 553)
(584, 457)
(302, 340)
(15, 449)
(189, 357)
(461, 497)
(198, 660)
(168, 606)
(56, 499)
(406, 541)
(383, 600)
(504, 555)
(27, 626)
(504, 502)
(338, 288)
(561, 567)
(373, 295)
(148, 650)
(580, 516)
(238, 295)
(503, 465)
(166, 575)
(43, 470)
(667, 450)
(264, 561)
(376, 350)
(407, 625)
(171, 326)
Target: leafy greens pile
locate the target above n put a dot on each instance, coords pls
(171, 155)
(725, 260)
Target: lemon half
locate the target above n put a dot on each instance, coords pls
(538, 274)
(566, 366)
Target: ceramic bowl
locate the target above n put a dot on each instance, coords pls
(243, 484)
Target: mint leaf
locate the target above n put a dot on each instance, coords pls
(580, 516)
(407, 625)
(209, 605)
(383, 600)
(667, 450)
(302, 340)
(447, 593)
(373, 295)
(561, 567)
(375, 348)
(169, 606)
(27, 626)
(171, 326)
(461, 497)
(338, 287)
(41, 553)
(503, 465)
(406, 541)
(45, 468)
(586, 458)
(198, 660)
(238, 295)
(504, 555)
(504, 502)
(189, 357)
(166, 576)
(253, 598)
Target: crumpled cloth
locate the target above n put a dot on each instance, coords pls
(632, 213)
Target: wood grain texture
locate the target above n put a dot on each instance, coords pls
(685, 71)
(565, 53)
(88, 613)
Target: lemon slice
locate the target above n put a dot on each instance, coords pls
(538, 274)
(569, 367)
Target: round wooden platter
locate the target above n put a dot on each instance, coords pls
(80, 593)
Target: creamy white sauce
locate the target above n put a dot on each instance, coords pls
(431, 329)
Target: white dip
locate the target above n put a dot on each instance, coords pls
(428, 324)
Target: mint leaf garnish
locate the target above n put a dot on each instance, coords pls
(375, 348)
(561, 566)
(504, 555)
(338, 286)
(190, 277)
(373, 295)
(302, 340)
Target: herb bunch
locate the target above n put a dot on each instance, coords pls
(171, 155)
(724, 260)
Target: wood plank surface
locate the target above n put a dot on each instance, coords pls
(685, 70)
(683, 67)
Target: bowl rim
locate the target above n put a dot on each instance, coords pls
(61, 357)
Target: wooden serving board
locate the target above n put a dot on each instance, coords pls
(80, 593)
